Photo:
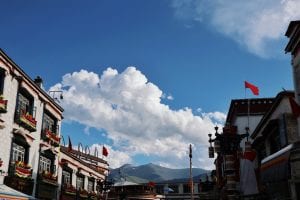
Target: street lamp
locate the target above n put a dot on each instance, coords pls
(227, 146)
(217, 143)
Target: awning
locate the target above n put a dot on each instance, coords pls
(275, 167)
(7, 193)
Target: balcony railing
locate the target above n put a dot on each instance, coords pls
(48, 177)
(93, 195)
(69, 189)
(83, 193)
(3, 105)
(24, 185)
(27, 121)
(51, 137)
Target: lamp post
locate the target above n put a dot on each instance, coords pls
(227, 146)
(191, 176)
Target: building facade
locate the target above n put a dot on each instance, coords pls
(32, 161)
(29, 132)
(293, 47)
(81, 174)
(276, 143)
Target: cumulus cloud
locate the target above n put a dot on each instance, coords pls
(128, 107)
(115, 158)
(256, 25)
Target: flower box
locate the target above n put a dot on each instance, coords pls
(92, 195)
(51, 137)
(70, 189)
(28, 121)
(48, 177)
(22, 170)
(83, 193)
(3, 105)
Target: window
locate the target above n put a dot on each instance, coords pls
(2, 76)
(49, 123)
(274, 142)
(159, 189)
(174, 188)
(45, 164)
(80, 182)
(91, 185)
(18, 153)
(186, 188)
(66, 177)
(24, 104)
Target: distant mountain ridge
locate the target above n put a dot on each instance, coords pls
(152, 172)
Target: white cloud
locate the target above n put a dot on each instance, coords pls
(257, 25)
(115, 158)
(129, 108)
(170, 97)
(217, 116)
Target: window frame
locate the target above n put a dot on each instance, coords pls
(49, 122)
(78, 180)
(93, 185)
(45, 164)
(66, 175)
(18, 149)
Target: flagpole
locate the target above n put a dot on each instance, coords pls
(248, 111)
(191, 177)
(102, 153)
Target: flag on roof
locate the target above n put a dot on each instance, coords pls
(104, 151)
(254, 89)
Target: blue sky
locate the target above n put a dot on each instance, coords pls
(189, 58)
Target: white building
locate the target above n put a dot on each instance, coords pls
(32, 163)
(82, 174)
(29, 133)
(247, 113)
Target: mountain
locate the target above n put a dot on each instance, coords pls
(152, 172)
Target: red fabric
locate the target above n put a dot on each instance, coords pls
(249, 155)
(151, 184)
(295, 107)
(104, 151)
(254, 89)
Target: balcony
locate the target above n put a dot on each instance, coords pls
(48, 177)
(22, 170)
(83, 193)
(93, 195)
(51, 137)
(69, 189)
(27, 121)
(3, 105)
(19, 177)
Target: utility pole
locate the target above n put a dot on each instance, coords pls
(191, 176)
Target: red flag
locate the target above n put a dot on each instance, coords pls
(151, 184)
(104, 151)
(253, 88)
(70, 144)
(295, 107)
